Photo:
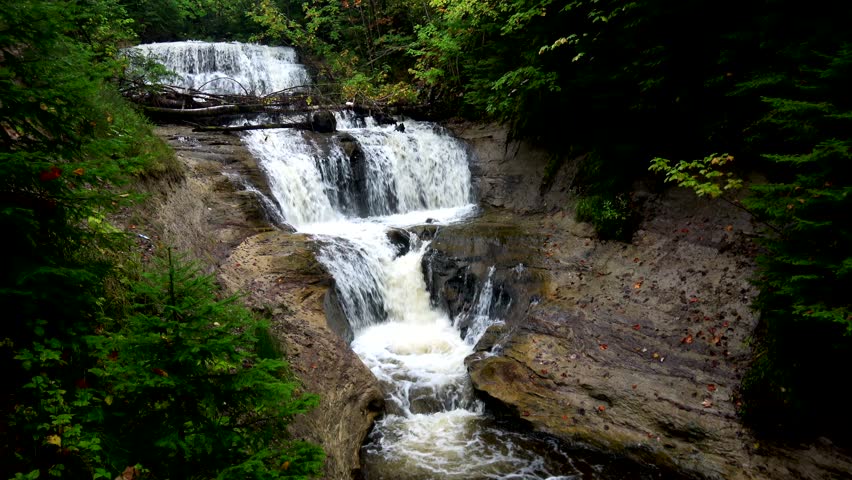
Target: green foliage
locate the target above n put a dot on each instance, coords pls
(805, 275)
(604, 200)
(789, 114)
(611, 216)
(184, 392)
(358, 46)
(69, 148)
(704, 177)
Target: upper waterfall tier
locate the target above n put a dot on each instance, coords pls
(230, 68)
(363, 172)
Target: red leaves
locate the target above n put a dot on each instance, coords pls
(687, 339)
(711, 387)
(637, 327)
(603, 346)
(694, 300)
(51, 173)
(160, 372)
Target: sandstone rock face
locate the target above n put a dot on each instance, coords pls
(636, 349)
(281, 275)
(510, 174)
(213, 217)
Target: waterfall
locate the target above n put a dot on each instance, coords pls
(348, 190)
(348, 197)
(230, 68)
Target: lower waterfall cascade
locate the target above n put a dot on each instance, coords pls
(434, 427)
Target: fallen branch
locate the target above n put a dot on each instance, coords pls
(206, 111)
(263, 126)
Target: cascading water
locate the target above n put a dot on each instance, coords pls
(434, 427)
(348, 190)
(230, 68)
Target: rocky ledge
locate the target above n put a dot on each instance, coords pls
(632, 348)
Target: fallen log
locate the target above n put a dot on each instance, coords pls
(206, 111)
(262, 126)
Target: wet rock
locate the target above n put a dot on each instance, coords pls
(323, 121)
(459, 260)
(336, 318)
(400, 239)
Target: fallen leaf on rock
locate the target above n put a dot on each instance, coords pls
(729, 228)
(603, 346)
(601, 408)
(711, 387)
(634, 386)
(637, 285)
(693, 300)
(687, 339)
(707, 403)
(637, 327)
(544, 371)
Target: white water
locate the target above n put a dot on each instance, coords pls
(230, 68)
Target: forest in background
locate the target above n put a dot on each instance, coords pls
(714, 91)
